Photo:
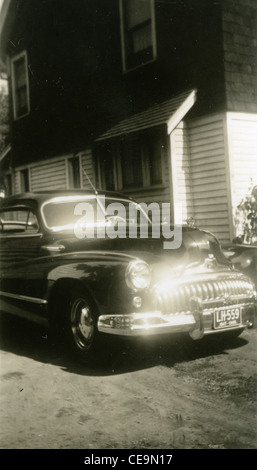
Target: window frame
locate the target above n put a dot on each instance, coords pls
(71, 174)
(8, 184)
(123, 32)
(14, 59)
(124, 148)
(145, 159)
(18, 232)
(24, 171)
(103, 157)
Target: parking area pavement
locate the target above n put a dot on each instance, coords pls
(169, 395)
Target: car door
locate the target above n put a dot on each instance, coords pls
(20, 243)
(20, 237)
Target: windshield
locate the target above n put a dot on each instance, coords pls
(87, 214)
(124, 224)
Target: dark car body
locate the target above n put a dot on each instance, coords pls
(243, 257)
(82, 288)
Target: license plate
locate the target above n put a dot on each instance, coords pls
(227, 317)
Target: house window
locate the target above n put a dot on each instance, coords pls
(74, 172)
(133, 162)
(24, 181)
(8, 185)
(20, 85)
(107, 159)
(154, 150)
(137, 32)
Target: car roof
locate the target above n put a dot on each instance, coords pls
(39, 197)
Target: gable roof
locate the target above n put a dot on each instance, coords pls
(169, 112)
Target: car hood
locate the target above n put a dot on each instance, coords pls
(199, 252)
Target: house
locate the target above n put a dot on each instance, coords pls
(156, 99)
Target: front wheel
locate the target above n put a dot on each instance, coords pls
(75, 326)
(81, 324)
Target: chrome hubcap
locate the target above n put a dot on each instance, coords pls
(85, 323)
(82, 323)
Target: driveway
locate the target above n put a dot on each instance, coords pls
(144, 395)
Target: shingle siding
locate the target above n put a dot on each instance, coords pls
(239, 20)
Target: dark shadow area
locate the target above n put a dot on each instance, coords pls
(117, 355)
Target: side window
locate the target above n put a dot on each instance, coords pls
(18, 220)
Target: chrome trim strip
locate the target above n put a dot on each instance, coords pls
(21, 313)
(20, 235)
(23, 297)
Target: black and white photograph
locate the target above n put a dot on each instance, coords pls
(128, 228)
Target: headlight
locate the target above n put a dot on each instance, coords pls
(138, 275)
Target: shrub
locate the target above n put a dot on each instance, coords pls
(246, 218)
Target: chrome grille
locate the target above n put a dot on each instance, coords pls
(212, 293)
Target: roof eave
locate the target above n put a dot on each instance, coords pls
(168, 113)
(181, 111)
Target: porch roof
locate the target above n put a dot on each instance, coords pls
(169, 112)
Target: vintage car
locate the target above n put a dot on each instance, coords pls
(60, 267)
(243, 257)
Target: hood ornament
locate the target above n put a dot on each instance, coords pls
(191, 222)
(210, 262)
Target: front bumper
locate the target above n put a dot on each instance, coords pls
(197, 323)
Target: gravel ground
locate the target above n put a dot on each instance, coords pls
(173, 394)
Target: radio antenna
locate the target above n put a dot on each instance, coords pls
(90, 182)
(95, 191)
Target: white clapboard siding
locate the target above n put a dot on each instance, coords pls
(209, 175)
(87, 169)
(47, 176)
(53, 173)
(242, 144)
(181, 170)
